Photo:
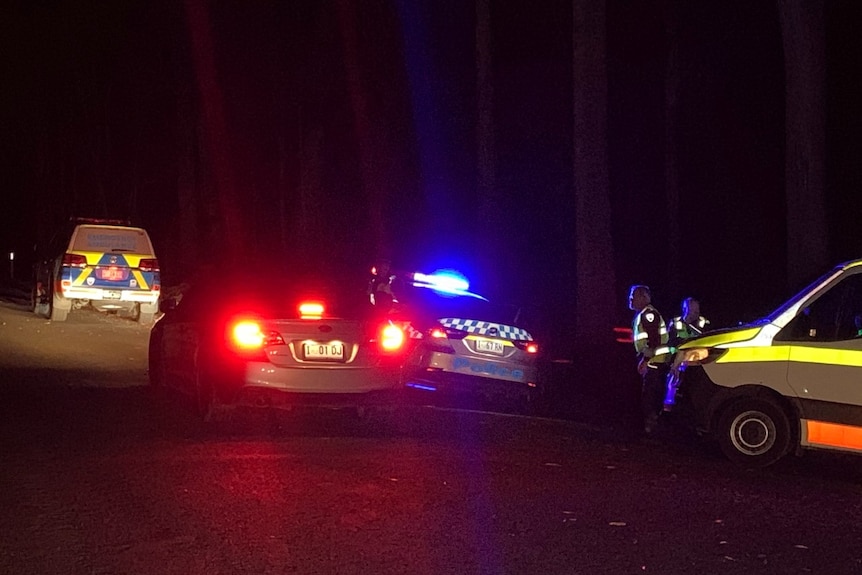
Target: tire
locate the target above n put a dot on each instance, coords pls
(58, 309)
(754, 432)
(208, 407)
(147, 313)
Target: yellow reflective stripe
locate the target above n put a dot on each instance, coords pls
(142, 283)
(833, 435)
(663, 350)
(752, 354)
(847, 357)
(85, 273)
(795, 353)
(713, 340)
(641, 335)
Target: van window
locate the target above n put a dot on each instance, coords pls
(831, 317)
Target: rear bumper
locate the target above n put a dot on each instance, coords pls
(264, 385)
(437, 385)
(262, 397)
(98, 294)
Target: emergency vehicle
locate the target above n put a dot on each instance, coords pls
(106, 264)
(463, 348)
(786, 383)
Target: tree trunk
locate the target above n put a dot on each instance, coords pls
(596, 294)
(671, 171)
(802, 27)
(489, 211)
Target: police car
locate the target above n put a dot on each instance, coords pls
(106, 264)
(465, 349)
(789, 382)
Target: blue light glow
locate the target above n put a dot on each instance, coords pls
(445, 282)
(421, 386)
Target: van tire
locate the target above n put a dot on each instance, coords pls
(754, 432)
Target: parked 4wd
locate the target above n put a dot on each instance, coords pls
(106, 264)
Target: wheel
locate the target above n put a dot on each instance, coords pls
(58, 309)
(207, 404)
(147, 313)
(754, 432)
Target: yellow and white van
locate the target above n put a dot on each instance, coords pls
(789, 382)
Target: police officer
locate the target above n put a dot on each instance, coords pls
(650, 336)
(686, 326)
(379, 291)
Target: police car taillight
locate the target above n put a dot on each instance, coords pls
(529, 346)
(74, 260)
(149, 265)
(438, 333)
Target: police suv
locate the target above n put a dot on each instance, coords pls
(106, 264)
(789, 382)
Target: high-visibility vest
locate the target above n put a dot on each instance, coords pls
(662, 353)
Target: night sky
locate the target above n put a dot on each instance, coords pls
(317, 115)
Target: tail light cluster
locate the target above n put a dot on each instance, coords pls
(149, 265)
(247, 335)
(391, 338)
(74, 261)
(529, 346)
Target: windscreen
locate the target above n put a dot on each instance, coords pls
(108, 239)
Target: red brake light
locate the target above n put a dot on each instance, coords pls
(149, 265)
(74, 260)
(311, 310)
(391, 337)
(529, 346)
(246, 334)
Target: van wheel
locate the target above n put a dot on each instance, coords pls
(754, 432)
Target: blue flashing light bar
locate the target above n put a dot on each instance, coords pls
(445, 282)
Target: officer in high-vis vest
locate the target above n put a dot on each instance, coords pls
(650, 336)
(686, 326)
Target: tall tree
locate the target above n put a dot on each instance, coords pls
(802, 28)
(671, 138)
(488, 212)
(596, 295)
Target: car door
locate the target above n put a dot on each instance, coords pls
(825, 367)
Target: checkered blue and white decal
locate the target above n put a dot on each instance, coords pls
(487, 328)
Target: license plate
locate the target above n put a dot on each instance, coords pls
(111, 295)
(331, 350)
(111, 274)
(490, 346)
